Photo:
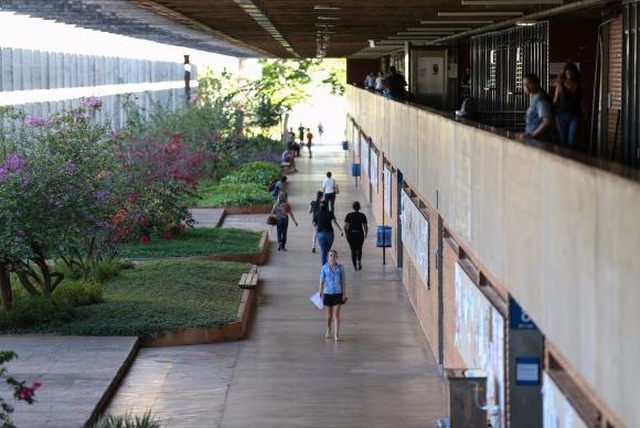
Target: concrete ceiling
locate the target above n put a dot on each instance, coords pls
(300, 28)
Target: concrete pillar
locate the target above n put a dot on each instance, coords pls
(7, 70)
(83, 70)
(59, 68)
(43, 71)
(27, 69)
(17, 69)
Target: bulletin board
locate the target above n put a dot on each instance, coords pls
(479, 336)
(386, 184)
(374, 170)
(364, 157)
(415, 236)
(557, 412)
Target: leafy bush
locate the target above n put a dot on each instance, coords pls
(200, 241)
(129, 421)
(253, 172)
(234, 194)
(98, 271)
(30, 310)
(80, 292)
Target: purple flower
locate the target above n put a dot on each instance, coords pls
(34, 122)
(10, 165)
(101, 195)
(92, 103)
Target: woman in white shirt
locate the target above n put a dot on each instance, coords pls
(330, 189)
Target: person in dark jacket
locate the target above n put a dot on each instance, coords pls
(323, 222)
(356, 229)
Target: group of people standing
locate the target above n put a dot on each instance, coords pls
(392, 85)
(562, 116)
(332, 285)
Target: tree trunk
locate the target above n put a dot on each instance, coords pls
(5, 287)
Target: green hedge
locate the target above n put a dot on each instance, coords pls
(225, 195)
(253, 172)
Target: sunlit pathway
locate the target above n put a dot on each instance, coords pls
(286, 374)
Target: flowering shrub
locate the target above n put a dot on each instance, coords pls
(21, 391)
(56, 196)
(157, 178)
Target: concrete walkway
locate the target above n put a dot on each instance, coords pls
(286, 374)
(382, 373)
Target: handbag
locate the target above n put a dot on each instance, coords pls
(271, 220)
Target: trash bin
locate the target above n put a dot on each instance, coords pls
(355, 170)
(384, 236)
(345, 145)
(443, 423)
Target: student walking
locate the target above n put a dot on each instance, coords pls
(314, 208)
(330, 189)
(333, 290)
(356, 230)
(282, 211)
(323, 222)
(309, 141)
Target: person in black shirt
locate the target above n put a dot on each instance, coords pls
(568, 103)
(314, 208)
(322, 221)
(356, 228)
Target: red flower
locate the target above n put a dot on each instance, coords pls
(183, 226)
(144, 239)
(167, 235)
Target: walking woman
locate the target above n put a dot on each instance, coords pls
(330, 189)
(356, 229)
(323, 221)
(314, 208)
(333, 290)
(568, 102)
(281, 211)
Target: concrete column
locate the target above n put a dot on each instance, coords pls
(84, 70)
(59, 70)
(7, 70)
(17, 69)
(27, 69)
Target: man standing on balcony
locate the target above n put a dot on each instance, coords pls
(396, 85)
(539, 116)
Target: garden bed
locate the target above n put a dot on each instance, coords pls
(158, 296)
(196, 242)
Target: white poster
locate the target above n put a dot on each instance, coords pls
(386, 184)
(415, 236)
(480, 337)
(364, 157)
(556, 410)
(374, 170)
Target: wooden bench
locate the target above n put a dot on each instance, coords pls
(248, 280)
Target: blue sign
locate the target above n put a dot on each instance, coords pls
(527, 371)
(518, 319)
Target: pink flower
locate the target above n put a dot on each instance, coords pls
(183, 226)
(167, 235)
(144, 239)
(34, 122)
(37, 384)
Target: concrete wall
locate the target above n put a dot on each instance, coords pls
(558, 235)
(64, 78)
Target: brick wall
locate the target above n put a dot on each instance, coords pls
(614, 73)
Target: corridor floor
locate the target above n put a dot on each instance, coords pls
(286, 374)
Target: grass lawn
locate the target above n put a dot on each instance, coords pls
(195, 242)
(233, 194)
(159, 295)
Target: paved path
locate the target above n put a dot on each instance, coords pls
(75, 372)
(382, 374)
